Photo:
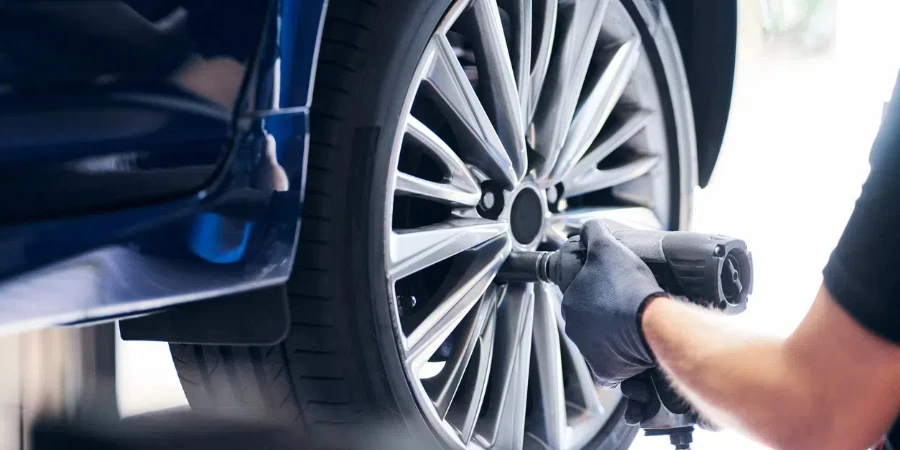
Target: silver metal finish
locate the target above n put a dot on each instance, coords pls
(546, 32)
(482, 144)
(443, 388)
(414, 250)
(578, 27)
(545, 76)
(504, 422)
(458, 187)
(546, 348)
(596, 179)
(451, 308)
(636, 121)
(597, 106)
(503, 101)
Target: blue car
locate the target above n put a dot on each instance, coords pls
(309, 199)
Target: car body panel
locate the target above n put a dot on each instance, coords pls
(231, 227)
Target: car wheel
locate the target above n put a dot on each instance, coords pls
(445, 135)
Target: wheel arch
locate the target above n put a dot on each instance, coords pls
(707, 37)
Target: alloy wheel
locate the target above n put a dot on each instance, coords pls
(524, 120)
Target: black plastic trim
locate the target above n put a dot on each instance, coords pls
(707, 36)
(259, 317)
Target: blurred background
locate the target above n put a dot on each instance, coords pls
(812, 79)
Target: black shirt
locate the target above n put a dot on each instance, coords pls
(863, 273)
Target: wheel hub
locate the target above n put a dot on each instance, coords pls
(526, 215)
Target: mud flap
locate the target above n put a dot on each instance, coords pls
(259, 317)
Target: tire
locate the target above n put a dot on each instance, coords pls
(339, 379)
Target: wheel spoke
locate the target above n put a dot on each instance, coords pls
(503, 424)
(455, 302)
(443, 387)
(548, 361)
(590, 412)
(577, 30)
(479, 142)
(459, 186)
(521, 16)
(636, 121)
(464, 415)
(599, 179)
(545, 31)
(495, 73)
(586, 387)
(597, 106)
(440, 192)
(416, 249)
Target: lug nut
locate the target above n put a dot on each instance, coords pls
(488, 200)
(552, 194)
(406, 301)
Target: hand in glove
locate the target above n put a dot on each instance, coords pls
(602, 303)
(647, 392)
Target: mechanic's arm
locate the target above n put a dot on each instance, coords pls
(835, 382)
(831, 385)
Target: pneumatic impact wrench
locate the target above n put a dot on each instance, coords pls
(710, 270)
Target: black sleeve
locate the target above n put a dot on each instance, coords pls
(863, 273)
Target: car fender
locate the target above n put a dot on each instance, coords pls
(707, 36)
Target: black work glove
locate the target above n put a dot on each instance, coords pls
(602, 303)
(646, 393)
(642, 401)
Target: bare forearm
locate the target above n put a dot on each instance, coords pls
(734, 377)
(814, 389)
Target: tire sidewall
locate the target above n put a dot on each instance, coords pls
(378, 120)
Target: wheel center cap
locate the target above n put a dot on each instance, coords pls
(526, 215)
